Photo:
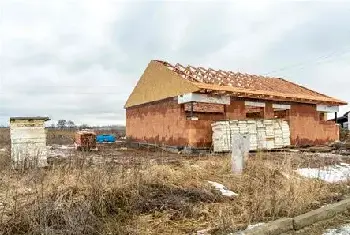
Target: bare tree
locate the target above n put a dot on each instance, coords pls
(84, 126)
(62, 124)
(70, 124)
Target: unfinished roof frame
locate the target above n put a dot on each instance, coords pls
(222, 82)
(162, 80)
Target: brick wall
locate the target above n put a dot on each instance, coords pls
(269, 112)
(165, 122)
(307, 128)
(200, 135)
(236, 110)
(159, 122)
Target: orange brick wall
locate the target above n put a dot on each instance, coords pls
(269, 112)
(307, 129)
(236, 110)
(158, 122)
(200, 130)
(165, 122)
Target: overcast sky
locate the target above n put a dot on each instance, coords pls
(80, 59)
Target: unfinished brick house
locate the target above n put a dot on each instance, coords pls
(174, 105)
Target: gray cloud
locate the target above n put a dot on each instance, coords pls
(81, 61)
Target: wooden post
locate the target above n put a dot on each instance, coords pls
(336, 117)
(240, 152)
(191, 109)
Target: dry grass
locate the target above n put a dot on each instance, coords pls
(75, 198)
(155, 194)
(61, 137)
(4, 136)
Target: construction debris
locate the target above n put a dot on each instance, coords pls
(224, 191)
(85, 140)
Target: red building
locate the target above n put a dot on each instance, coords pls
(176, 105)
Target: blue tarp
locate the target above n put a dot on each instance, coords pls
(105, 138)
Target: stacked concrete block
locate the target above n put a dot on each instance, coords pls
(252, 130)
(278, 135)
(285, 133)
(263, 134)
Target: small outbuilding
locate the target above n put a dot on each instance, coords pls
(28, 141)
(181, 106)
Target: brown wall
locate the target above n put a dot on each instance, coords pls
(269, 112)
(159, 122)
(307, 128)
(200, 130)
(236, 110)
(165, 122)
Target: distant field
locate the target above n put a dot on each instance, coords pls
(57, 136)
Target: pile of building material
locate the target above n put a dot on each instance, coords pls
(263, 133)
(85, 140)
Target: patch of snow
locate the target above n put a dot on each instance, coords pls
(254, 225)
(67, 147)
(203, 232)
(224, 191)
(329, 155)
(3, 150)
(331, 174)
(248, 228)
(345, 230)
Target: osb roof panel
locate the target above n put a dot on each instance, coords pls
(158, 83)
(246, 85)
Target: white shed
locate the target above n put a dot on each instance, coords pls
(28, 141)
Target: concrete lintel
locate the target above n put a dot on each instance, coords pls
(281, 106)
(255, 104)
(203, 98)
(327, 108)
